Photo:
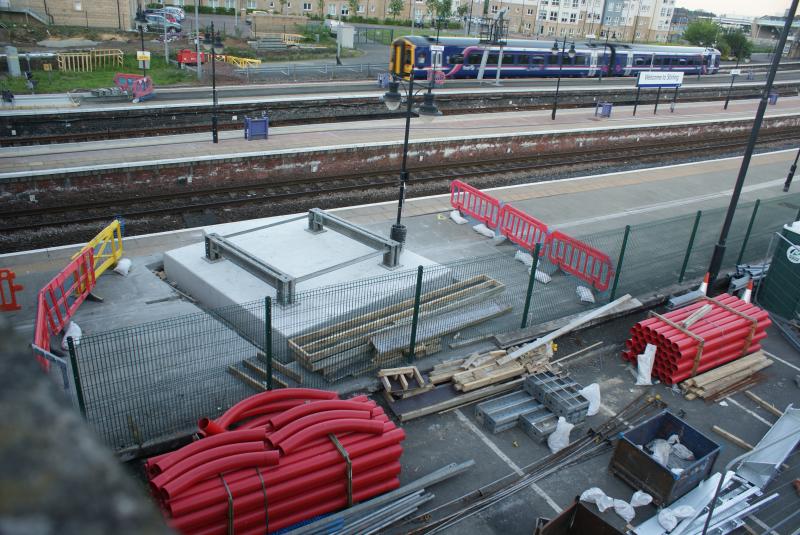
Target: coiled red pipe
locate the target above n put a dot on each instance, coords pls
(163, 462)
(206, 456)
(283, 418)
(275, 438)
(295, 441)
(269, 396)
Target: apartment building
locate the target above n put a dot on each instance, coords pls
(87, 13)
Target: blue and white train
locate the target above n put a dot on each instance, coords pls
(461, 58)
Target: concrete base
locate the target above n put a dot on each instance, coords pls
(224, 287)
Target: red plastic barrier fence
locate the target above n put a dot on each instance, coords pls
(60, 298)
(8, 291)
(522, 229)
(580, 259)
(475, 203)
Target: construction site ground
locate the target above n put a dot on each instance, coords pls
(436, 440)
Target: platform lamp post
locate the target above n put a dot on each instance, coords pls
(141, 22)
(213, 43)
(605, 46)
(792, 169)
(426, 111)
(719, 248)
(571, 55)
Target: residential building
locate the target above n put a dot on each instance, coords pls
(88, 13)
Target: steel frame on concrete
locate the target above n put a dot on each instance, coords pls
(319, 219)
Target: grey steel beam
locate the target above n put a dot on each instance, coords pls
(319, 219)
(218, 247)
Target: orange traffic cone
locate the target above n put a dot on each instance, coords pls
(748, 292)
(704, 285)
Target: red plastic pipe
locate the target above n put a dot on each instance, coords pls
(206, 456)
(184, 504)
(163, 462)
(285, 417)
(276, 437)
(348, 425)
(270, 396)
(176, 486)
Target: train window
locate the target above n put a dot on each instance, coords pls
(421, 59)
(407, 56)
(553, 59)
(682, 61)
(492, 60)
(580, 60)
(455, 59)
(537, 62)
(638, 61)
(475, 59)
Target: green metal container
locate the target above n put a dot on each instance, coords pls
(780, 293)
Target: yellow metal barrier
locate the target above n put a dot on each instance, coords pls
(239, 62)
(107, 246)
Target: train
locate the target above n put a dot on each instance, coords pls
(459, 58)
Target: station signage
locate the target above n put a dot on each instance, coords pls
(142, 55)
(659, 79)
(736, 72)
(437, 48)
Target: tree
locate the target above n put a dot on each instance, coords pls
(738, 43)
(353, 4)
(702, 32)
(395, 7)
(439, 9)
(461, 10)
(321, 7)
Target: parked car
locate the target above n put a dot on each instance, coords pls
(169, 16)
(156, 22)
(249, 18)
(177, 12)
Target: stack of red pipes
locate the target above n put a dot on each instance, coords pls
(726, 335)
(271, 462)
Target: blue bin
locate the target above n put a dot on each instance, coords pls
(603, 109)
(256, 128)
(773, 97)
(642, 472)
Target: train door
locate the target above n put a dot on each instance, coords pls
(628, 63)
(592, 63)
(436, 57)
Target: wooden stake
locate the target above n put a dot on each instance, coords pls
(769, 407)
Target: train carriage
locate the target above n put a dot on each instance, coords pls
(519, 58)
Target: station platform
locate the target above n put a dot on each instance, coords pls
(317, 139)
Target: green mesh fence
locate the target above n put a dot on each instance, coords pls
(147, 383)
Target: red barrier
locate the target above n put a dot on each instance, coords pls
(60, 298)
(580, 259)
(522, 229)
(8, 291)
(475, 203)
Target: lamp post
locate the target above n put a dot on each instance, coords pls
(571, 54)
(141, 22)
(792, 169)
(213, 43)
(730, 87)
(427, 111)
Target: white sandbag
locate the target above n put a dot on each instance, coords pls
(559, 439)
(683, 511)
(592, 394)
(523, 257)
(541, 276)
(682, 452)
(483, 230)
(660, 449)
(676, 471)
(457, 218)
(645, 366)
(585, 294)
(640, 499)
(74, 331)
(598, 497)
(624, 509)
(123, 266)
(667, 519)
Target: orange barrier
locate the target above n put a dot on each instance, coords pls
(8, 291)
(522, 229)
(475, 203)
(580, 259)
(60, 298)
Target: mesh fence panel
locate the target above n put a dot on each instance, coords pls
(151, 381)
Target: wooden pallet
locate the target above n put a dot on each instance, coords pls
(403, 382)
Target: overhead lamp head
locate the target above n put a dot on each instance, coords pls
(207, 41)
(555, 47)
(428, 110)
(392, 97)
(218, 46)
(571, 52)
(140, 19)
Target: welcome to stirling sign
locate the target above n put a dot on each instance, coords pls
(659, 79)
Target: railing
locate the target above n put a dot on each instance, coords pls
(106, 248)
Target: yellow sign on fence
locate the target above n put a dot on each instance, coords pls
(142, 55)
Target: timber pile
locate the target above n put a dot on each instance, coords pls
(483, 369)
(727, 379)
(403, 382)
(368, 339)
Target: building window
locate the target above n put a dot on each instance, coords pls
(527, 25)
(543, 2)
(530, 11)
(78, 6)
(360, 8)
(575, 4)
(563, 32)
(554, 16)
(494, 9)
(555, 2)
(271, 3)
(251, 4)
(332, 10)
(564, 17)
(543, 15)
(345, 10)
(551, 31)
(230, 4)
(572, 18)
(571, 32)
(372, 8)
(638, 34)
(306, 6)
(288, 5)
(213, 3)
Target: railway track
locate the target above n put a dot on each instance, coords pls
(262, 199)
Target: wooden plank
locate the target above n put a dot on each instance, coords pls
(725, 370)
(386, 385)
(394, 371)
(732, 379)
(282, 368)
(445, 397)
(502, 374)
(574, 324)
(769, 407)
(731, 437)
(472, 358)
(576, 353)
(246, 379)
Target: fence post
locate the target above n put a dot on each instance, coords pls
(415, 318)
(690, 245)
(531, 280)
(268, 338)
(73, 362)
(619, 262)
(749, 229)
